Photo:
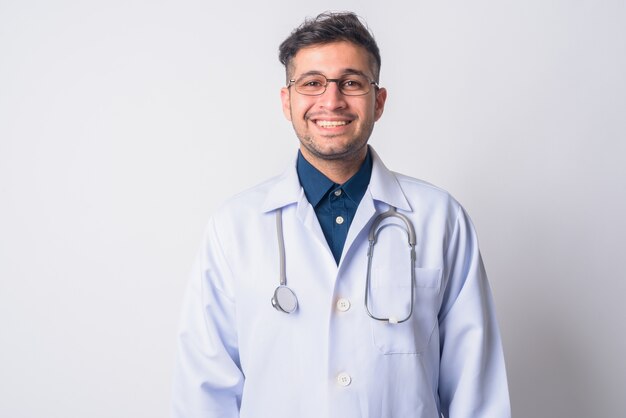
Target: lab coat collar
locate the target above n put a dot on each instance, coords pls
(285, 190)
(383, 187)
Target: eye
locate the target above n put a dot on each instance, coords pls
(352, 84)
(311, 83)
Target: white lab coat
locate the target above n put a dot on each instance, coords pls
(239, 357)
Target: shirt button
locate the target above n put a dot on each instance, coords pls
(343, 304)
(339, 220)
(337, 192)
(344, 379)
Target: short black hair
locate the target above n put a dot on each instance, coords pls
(330, 27)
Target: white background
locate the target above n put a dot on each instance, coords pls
(124, 123)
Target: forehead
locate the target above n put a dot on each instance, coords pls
(331, 59)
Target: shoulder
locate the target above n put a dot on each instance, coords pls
(240, 218)
(419, 186)
(247, 202)
(424, 194)
(409, 193)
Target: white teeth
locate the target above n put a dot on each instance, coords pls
(331, 123)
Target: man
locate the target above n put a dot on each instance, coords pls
(293, 312)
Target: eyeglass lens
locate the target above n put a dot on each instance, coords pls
(350, 85)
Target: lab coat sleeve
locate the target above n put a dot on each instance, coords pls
(207, 379)
(472, 378)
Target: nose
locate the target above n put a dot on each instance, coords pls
(333, 98)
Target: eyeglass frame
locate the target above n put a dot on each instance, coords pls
(333, 80)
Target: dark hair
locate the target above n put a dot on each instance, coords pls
(326, 28)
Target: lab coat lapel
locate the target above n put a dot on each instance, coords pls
(364, 213)
(306, 215)
(286, 191)
(384, 187)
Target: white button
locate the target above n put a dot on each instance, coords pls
(343, 304)
(339, 220)
(338, 192)
(344, 379)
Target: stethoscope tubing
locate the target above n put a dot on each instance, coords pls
(372, 237)
(281, 246)
(285, 300)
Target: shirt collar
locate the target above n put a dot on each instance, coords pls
(356, 186)
(383, 186)
(316, 184)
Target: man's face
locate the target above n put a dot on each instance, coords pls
(332, 126)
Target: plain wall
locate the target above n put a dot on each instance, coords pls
(123, 124)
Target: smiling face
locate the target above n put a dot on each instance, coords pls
(332, 126)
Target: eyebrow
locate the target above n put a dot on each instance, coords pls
(347, 71)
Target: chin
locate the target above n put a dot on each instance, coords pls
(336, 153)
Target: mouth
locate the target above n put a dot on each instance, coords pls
(331, 123)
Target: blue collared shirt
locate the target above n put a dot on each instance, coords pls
(334, 204)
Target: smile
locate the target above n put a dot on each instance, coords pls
(332, 123)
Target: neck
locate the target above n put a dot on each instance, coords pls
(339, 170)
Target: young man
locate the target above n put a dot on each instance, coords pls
(339, 289)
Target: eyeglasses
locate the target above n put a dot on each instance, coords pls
(349, 85)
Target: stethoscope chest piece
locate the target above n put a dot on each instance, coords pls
(284, 300)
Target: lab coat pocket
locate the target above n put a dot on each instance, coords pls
(390, 296)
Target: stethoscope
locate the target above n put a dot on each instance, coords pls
(285, 300)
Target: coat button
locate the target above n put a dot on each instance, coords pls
(343, 304)
(339, 220)
(344, 379)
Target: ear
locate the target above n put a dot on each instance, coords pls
(284, 97)
(379, 104)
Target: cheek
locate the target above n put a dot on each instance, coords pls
(299, 110)
(372, 112)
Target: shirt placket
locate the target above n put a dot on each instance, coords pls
(339, 214)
